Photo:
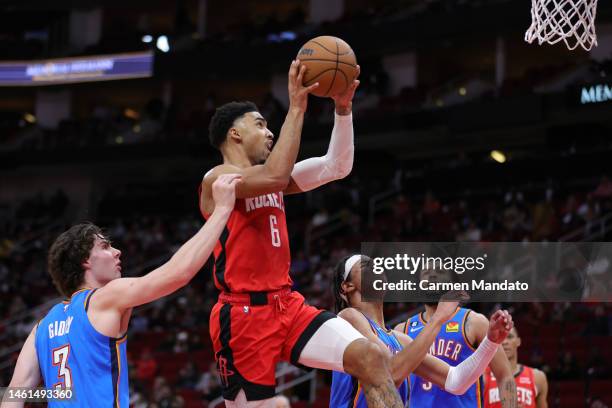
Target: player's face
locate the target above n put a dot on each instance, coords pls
(104, 261)
(511, 344)
(436, 275)
(256, 137)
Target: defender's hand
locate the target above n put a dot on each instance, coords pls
(499, 326)
(224, 191)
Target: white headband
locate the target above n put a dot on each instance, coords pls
(348, 265)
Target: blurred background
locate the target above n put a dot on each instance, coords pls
(463, 132)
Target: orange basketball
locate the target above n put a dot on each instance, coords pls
(331, 62)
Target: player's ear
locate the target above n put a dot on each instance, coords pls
(518, 342)
(347, 287)
(234, 135)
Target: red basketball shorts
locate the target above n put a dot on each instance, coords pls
(254, 331)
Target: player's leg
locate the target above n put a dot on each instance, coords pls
(241, 402)
(336, 345)
(247, 347)
(319, 339)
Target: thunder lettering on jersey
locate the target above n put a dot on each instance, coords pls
(346, 391)
(73, 354)
(252, 254)
(451, 346)
(526, 390)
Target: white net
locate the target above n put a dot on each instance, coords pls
(570, 21)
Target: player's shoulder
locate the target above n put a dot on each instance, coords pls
(211, 175)
(475, 317)
(538, 375)
(352, 315)
(401, 327)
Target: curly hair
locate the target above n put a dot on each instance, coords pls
(224, 118)
(67, 254)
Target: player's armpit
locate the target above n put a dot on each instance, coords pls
(27, 370)
(401, 327)
(541, 387)
(476, 327)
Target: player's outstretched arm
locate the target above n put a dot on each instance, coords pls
(477, 326)
(338, 161)
(125, 293)
(404, 362)
(458, 379)
(27, 370)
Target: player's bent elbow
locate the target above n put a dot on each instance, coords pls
(278, 183)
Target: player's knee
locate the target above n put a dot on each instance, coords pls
(365, 360)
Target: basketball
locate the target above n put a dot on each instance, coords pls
(331, 62)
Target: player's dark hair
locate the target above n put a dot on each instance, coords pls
(68, 253)
(224, 118)
(339, 302)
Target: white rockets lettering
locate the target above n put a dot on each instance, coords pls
(524, 395)
(265, 200)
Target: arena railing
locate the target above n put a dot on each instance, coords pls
(593, 230)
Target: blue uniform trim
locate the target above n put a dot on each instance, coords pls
(112, 343)
(88, 299)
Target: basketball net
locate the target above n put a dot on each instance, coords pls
(570, 21)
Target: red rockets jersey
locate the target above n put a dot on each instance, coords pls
(252, 254)
(525, 389)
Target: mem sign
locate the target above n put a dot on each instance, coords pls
(595, 94)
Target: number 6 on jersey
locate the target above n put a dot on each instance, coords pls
(274, 232)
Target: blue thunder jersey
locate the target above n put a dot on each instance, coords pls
(72, 354)
(451, 345)
(346, 391)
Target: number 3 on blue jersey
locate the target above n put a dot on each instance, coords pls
(60, 360)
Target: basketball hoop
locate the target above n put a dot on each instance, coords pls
(570, 21)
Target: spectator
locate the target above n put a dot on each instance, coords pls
(146, 367)
(188, 376)
(209, 384)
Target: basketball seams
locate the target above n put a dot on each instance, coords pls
(328, 60)
(309, 82)
(337, 52)
(331, 84)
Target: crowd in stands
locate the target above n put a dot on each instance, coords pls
(170, 357)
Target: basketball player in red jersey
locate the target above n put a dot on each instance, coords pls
(531, 383)
(258, 321)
